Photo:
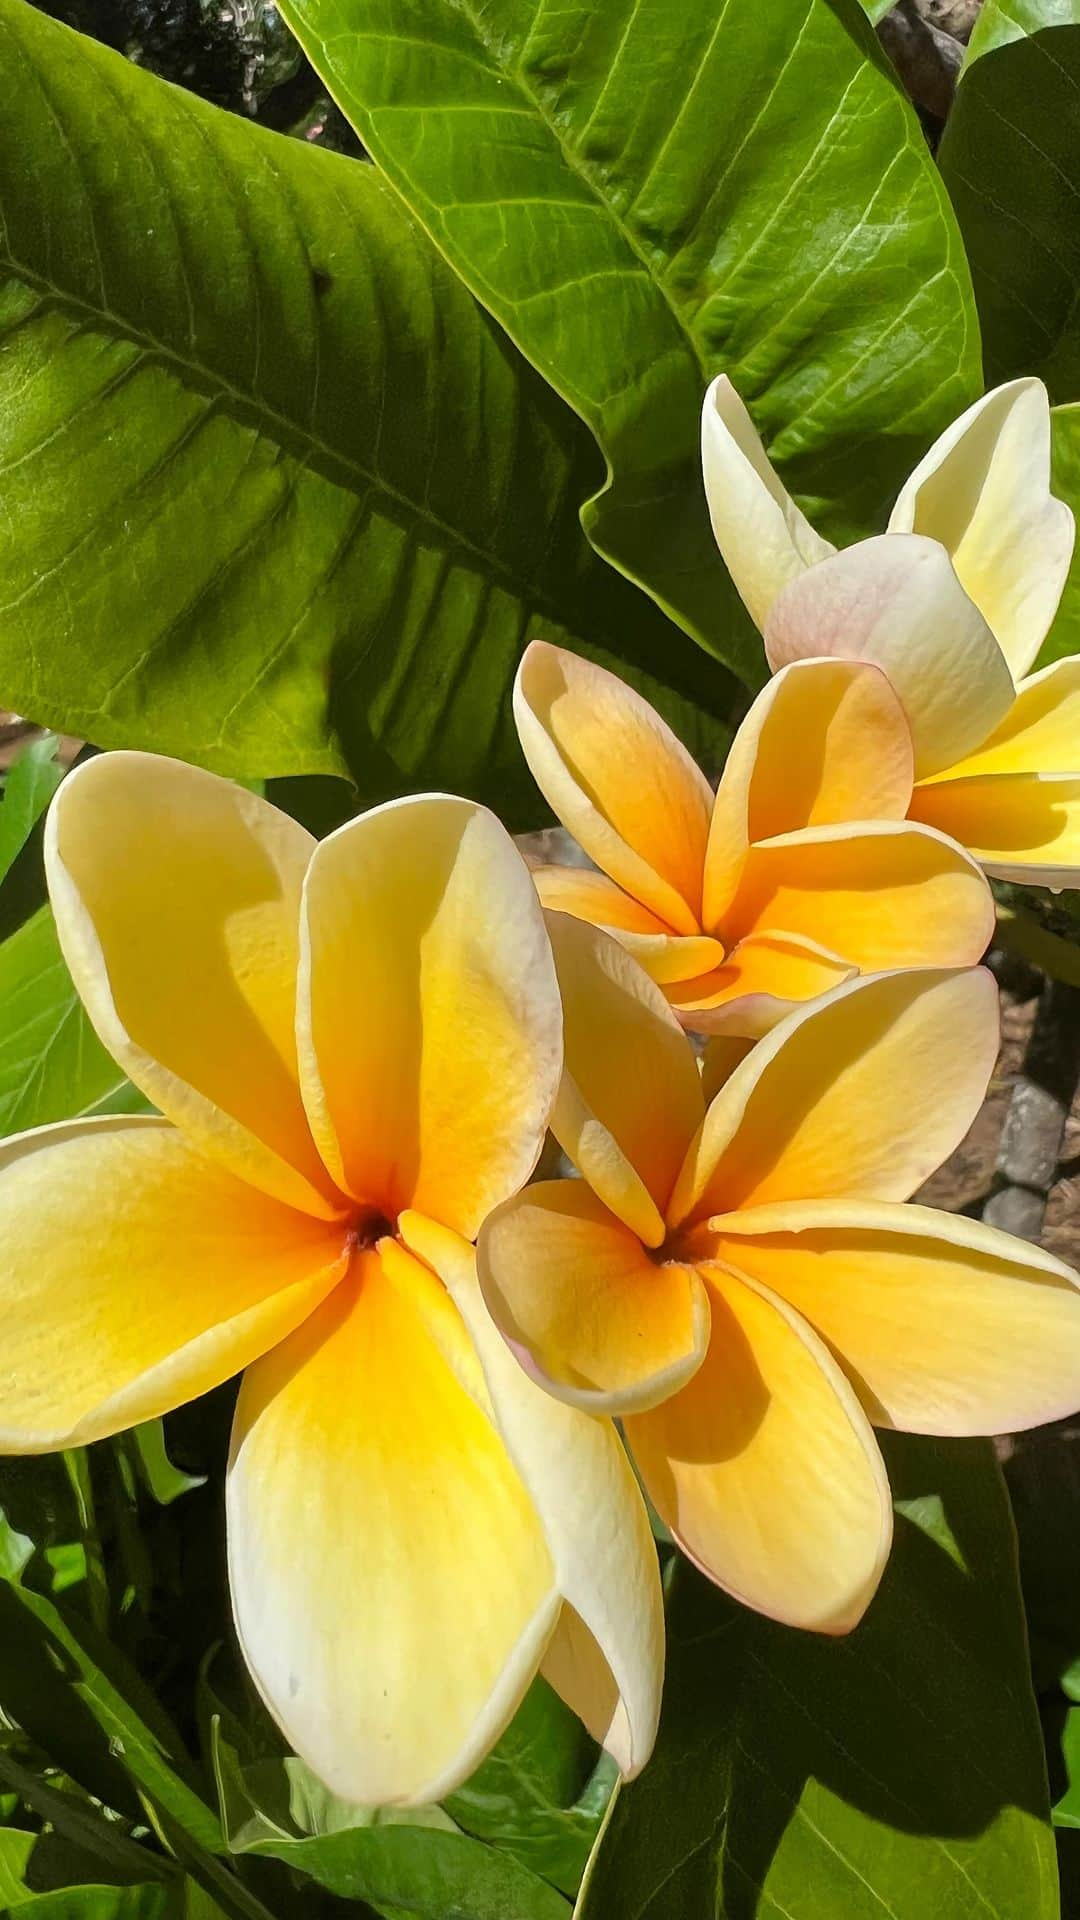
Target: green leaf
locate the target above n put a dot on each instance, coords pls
(76, 1697)
(98, 1903)
(1010, 156)
(896, 1772)
(52, 1065)
(542, 1791)
(1064, 635)
(401, 1861)
(1067, 1809)
(271, 477)
(1000, 21)
(646, 193)
(29, 787)
(16, 1846)
(165, 1481)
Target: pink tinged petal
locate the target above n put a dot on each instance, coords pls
(428, 1013)
(896, 600)
(606, 1658)
(177, 903)
(944, 1325)
(392, 1587)
(983, 490)
(593, 897)
(825, 742)
(138, 1275)
(860, 1095)
(766, 1469)
(617, 778)
(581, 1305)
(765, 539)
(630, 1098)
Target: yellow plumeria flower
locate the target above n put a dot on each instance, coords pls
(801, 872)
(340, 1037)
(954, 602)
(738, 1279)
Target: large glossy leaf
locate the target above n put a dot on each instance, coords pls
(278, 496)
(52, 1065)
(400, 1863)
(1000, 21)
(645, 193)
(1010, 157)
(898, 1772)
(542, 1791)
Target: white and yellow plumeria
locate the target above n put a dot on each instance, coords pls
(953, 601)
(353, 1046)
(736, 1277)
(801, 871)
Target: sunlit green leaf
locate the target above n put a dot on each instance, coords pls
(29, 787)
(896, 1772)
(270, 475)
(1000, 21)
(646, 193)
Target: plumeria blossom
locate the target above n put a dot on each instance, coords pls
(736, 1276)
(954, 601)
(352, 1045)
(800, 873)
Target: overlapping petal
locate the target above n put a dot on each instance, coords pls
(765, 977)
(1021, 826)
(878, 894)
(825, 742)
(630, 1098)
(765, 1466)
(763, 536)
(581, 1304)
(862, 1094)
(428, 1010)
(593, 897)
(618, 778)
(943, 1324)
(138, 1275)
(896, 600)
(983, 490)
(177, 899)
(392, 1587)
(1041, 731)
(607, 1655)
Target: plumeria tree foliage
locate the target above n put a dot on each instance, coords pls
(661, 428)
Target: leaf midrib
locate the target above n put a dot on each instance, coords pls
(523, 586)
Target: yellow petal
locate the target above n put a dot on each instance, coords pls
(392, 1588)
(861, 1094)
(607, 1656)
(825, 742)
(765, 1467)
(630, 1098)
(618, 779)
(983, 490)
(1041, 731)
(177, 902)
(763, 536)
(943, 1325)
(581, 1305)
(766, 976)
(137, 1276)
(879, 895)
(896, 600)
(1021, 826)
(428, 1012)
(593, 897)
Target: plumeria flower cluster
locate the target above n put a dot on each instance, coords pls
(358, 1049)
(954, 601)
